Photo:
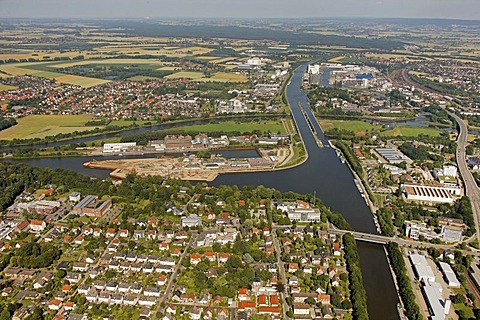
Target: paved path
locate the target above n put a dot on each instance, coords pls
(283, 276)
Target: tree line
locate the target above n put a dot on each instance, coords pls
(358, 296)
(403, 282)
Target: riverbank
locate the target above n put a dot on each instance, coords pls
(99, 135)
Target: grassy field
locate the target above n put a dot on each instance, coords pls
(5, 87)
(411, 132)
(40, 126)
(216, 77)
(229, 126)
(351, 125)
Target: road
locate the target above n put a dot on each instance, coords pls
(283, 276)
(471, 188)
(174, 275)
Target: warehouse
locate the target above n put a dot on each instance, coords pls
(450, 277)
(427, 193)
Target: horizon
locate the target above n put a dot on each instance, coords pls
(232, 9)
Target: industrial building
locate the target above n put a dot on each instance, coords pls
(448, 233)
(437, 306)
(422, 269)
(391, 155)
(427, 193)
(118, 147)
(432, 291)
(89, 206)
(450, 277)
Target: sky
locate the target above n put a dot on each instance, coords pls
(457, 9)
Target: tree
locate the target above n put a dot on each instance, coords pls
(458, 298)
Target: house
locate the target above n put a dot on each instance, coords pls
(223, 257)
(82, 289)
(69, 306)
(192, 220)
(152, 234)
(247, 306)
(90, 259)
(74, 196)
(292, 267)
(152, 292)
(139, 234)
(92, 296)
(54, 304)
(195, 313)
(104, 297)
(263, 300)
(293, 281)
(162, 280)
(116, 298)
(110, 233)
(324, 299)
(79, 239)
(274, 301)
(79, 266)
(336, 249)
(211, 256)
(243, 294)
(123, 233)
(211, 215)
(164, 246)
(195, 258)
(130, 300)
(172, 309)
(273, 310)
(73, 277)
(111, 286)
(301, 309)
(99, 284)
(37, 225)
(97, 232)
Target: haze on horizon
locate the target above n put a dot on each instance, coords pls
(455, 9)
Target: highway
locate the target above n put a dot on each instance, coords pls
(471, 188)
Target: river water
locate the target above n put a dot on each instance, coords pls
(324, 174)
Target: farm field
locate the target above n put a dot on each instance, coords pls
(41, 126)
(18, 69)
(351, 125)
(5, 87)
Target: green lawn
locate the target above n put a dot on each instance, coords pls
(40, 126)
(351, 125)
(468, 310)
(411, 132)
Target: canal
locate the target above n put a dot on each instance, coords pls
(324, 174)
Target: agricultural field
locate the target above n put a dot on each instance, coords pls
(351, 125)
(41, 126)
(4, 87)
(216, 77)
(24, 68)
